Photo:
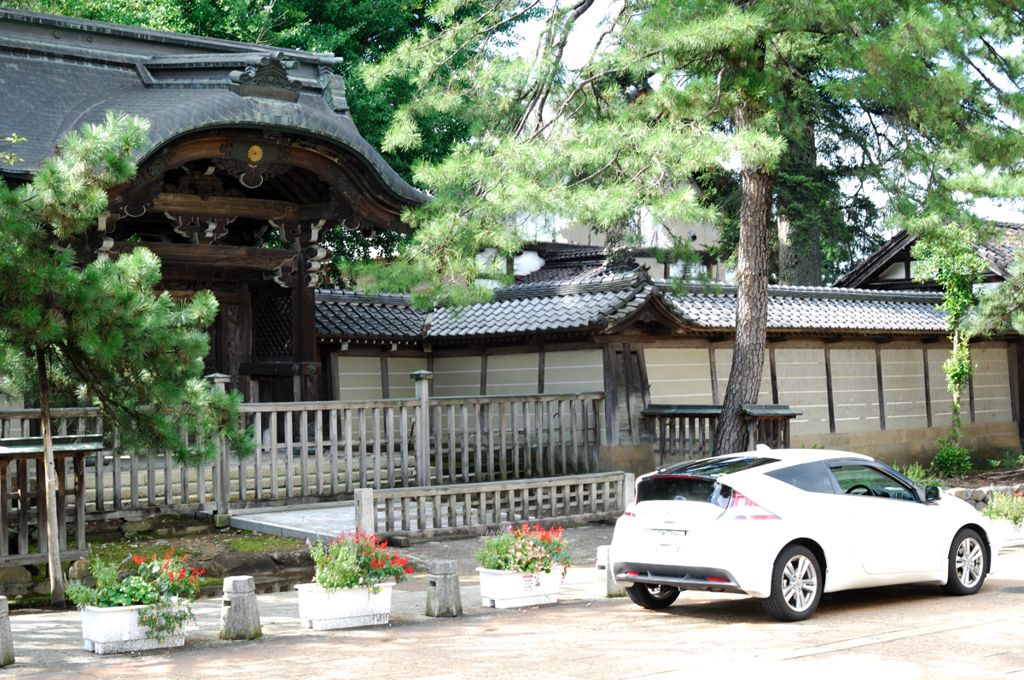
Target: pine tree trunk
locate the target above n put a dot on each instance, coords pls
(799, 252)
(50, 472)
(800, 240)
(751, 309)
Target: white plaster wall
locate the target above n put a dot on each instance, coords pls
(903, 383)
(571, 372)
(854, 390)
(804, 387)
(679, 375)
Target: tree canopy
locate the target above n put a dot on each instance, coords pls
(921, 97)
(97, 329)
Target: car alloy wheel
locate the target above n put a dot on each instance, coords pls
(968, 563)
(796, 585)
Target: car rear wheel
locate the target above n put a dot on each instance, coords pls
(797, 584)
(652, 597)
(968, 563)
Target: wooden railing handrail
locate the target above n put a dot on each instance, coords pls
(271, 407)
(477, 487)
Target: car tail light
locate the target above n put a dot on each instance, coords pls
(629, 511)
(719, 580)
(741, 507)
(632, 573)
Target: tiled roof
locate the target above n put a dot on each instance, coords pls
(546, 307)
(1001, 252)
(344, 314)
(597, 305)
(61, 73)
(798, 308)
(577, 264)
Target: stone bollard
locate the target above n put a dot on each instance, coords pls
(239, 613)
(443, 596)
(6, 641)
(366, 511)
(605, 578)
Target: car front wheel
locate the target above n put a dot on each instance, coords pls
(968, 563)
(797, 584)
(652, 597)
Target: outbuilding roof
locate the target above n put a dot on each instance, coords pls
(607, 304)
(800, 308)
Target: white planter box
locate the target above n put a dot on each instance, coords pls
(509, 589)
(115, 630)
(1006, 534)
(323, 609)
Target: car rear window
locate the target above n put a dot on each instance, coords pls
(674, 488)
(807, 476)
(714, 467)
(693, 481)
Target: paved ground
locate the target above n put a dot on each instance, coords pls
(901, 632)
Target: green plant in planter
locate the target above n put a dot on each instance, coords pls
(356, 560)
(1005, 506)
(526, 550)
(166, 585)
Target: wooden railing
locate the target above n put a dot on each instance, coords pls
(468, 509)
(687, 431)
(323, 450)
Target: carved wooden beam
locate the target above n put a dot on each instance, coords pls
(213, 207)
(232, 257)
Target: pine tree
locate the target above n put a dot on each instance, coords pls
(929, 96)
(98, 329)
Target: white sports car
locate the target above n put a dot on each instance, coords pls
(789, 525)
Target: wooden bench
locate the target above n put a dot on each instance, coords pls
(21, 452)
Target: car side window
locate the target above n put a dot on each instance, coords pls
(863, 480)
(807, 476)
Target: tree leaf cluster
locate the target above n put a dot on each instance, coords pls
(915, 103)
(99, 330)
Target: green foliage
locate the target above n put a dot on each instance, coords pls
(897, 97)
(100, 331)
(167, 585)
(952, 460)
(356, 560)
(8, 157)
(1006, 506)
(1009, 461)
(526, 550)
(919, 474)
(946, 254)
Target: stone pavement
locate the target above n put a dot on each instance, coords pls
(320, 521)
(909, 632)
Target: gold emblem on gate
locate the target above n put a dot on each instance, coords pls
(255, 153)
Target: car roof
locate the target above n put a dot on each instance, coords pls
(807, 455)
(784, 458)
(788, 457)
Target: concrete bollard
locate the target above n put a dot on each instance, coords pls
(6, 641)
(239, 612)
(605, 578)
(443, 596)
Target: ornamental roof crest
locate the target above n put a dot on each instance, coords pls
(266, 75)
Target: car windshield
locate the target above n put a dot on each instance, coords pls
(693, 481)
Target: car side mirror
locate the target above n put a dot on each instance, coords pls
(931, 493)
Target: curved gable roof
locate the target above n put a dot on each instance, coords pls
(60, 73)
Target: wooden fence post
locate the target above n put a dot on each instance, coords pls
(423, 379)
(221, 471)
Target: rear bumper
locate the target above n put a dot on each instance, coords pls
(684, 578)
